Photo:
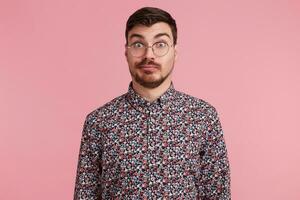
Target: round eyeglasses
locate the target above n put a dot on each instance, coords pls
(159, 49)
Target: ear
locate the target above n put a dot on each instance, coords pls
(175, 52)
(126, 52)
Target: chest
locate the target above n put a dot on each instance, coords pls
(152, 140)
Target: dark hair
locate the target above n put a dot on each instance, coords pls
(148, 16)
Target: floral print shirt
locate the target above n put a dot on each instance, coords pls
(172, 148)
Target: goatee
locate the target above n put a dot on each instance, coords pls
(149, 83)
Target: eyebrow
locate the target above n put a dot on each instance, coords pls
(156, 36)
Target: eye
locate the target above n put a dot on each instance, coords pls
(137, 45)
(160, 45)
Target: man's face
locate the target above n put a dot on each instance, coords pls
(150, 70)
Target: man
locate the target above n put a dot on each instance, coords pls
(153, 142)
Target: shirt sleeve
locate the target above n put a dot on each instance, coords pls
(87, 185)
(214, 181)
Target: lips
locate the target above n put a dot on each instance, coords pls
(148, 66)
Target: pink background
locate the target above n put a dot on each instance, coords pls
(61, 59)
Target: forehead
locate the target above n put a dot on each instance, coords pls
(157, 30)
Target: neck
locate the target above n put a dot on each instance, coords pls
(151, 94)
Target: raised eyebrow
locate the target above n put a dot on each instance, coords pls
(162, 34)
(156, 36)
(136, 35)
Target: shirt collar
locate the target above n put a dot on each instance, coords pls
(141, 104)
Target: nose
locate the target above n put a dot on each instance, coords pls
(149, 53)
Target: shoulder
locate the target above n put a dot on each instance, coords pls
(201, 111)
(107, 110)
(196, 104)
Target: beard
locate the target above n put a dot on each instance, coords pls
(146, 80)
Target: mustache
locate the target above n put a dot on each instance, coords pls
(147, 62)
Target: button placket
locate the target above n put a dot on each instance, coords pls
(153, 151)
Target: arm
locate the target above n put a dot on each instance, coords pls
(214, 183)
(87, 185)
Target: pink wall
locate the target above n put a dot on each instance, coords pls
(60, 59)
